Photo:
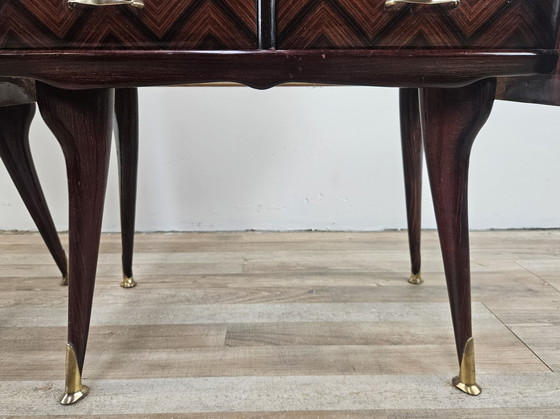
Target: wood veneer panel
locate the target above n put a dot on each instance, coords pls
(369, 24)
(542, 89)
(161, 24)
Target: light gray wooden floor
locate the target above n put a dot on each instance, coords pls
(285, 325)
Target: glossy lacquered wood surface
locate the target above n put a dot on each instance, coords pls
(228, 24)
(451, 120)
(161, 24)
(126, 130)
(264, 69)
(369, 24)
(16, 154)
(412, 152)
(81, 122)
(544, 90)
(266, 23)
(16, 91)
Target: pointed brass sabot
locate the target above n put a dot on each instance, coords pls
(466, 380)
(75, 390)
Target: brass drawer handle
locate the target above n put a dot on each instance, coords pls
(391, 3)
(139, 4)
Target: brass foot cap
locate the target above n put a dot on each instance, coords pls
(472, 389)
(64, 280)
(415, 279)
(128, 282)
(71, 398)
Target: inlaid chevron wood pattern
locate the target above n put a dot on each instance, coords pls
(503, 24)
(161, 24)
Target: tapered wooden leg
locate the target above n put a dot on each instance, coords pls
(16, 155)
(411, 138)
(126, 111)
(451, 120)
(82, 122)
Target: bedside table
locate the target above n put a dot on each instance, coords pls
(449, 54)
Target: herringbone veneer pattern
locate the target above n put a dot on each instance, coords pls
(162, 24)
(500, 24)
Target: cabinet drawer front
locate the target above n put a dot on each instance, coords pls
(503, 24)
(161, 24)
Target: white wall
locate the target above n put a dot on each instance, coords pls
(302, 158)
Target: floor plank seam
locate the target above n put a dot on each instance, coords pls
(553, 286)
(518, 338)
(301, 333)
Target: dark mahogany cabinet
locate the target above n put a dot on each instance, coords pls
(301, 24)
(86, 57)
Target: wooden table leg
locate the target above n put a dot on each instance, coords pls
(451, 120)
(126, 111)
(82, 122)
(16, 155)
(411, 139)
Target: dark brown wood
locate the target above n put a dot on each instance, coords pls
(411, 139)
(451, 120)
(266, 24)
(161, 24)
(82, 122)
(16, 91)
(509, 24)
(126, 112)
(264, 69)
(544, 90)
(541, 89)
(16, 155)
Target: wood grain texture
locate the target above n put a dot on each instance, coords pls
(451, 120)
(543, 89)
(126, 138)
(366, 24)
(214, 345)
(16, 155)
(161, 24)
(82, 123)
(458, 413)
(264, 69)
(233, 394)
(413, 156)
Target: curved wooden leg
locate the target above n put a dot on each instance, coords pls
(411, 139)
(82, 122)
(16, 155)
(126, 112)
(451, 120)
